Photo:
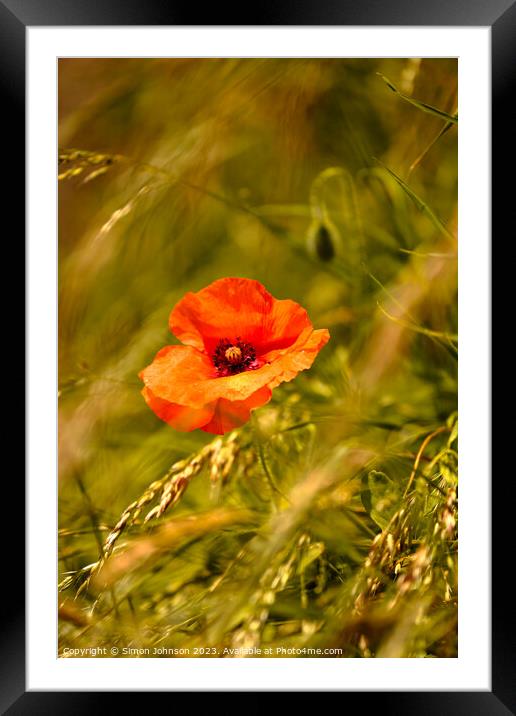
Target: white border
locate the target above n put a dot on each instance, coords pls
(472, 669)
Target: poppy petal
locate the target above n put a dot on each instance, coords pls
(229, 414)
(185, 376)
(242, 306)
(177, 375)
(181, 417)
(287, 363)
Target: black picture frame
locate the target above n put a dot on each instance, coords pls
(500, 16)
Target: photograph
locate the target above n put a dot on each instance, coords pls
(257, 357)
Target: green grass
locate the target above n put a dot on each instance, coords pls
(329, 521)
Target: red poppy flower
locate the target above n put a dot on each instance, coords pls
(239, 343)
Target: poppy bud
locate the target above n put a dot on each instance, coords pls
(324, 244)
(322, 240)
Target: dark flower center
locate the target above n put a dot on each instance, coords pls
(231, 357)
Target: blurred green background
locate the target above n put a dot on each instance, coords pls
(334, 189)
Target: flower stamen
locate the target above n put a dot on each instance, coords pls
(234, 356)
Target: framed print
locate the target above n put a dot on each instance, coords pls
(255, 254)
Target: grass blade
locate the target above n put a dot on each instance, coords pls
(423, 106)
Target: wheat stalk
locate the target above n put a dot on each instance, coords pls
(219, 455)
(77, 161)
